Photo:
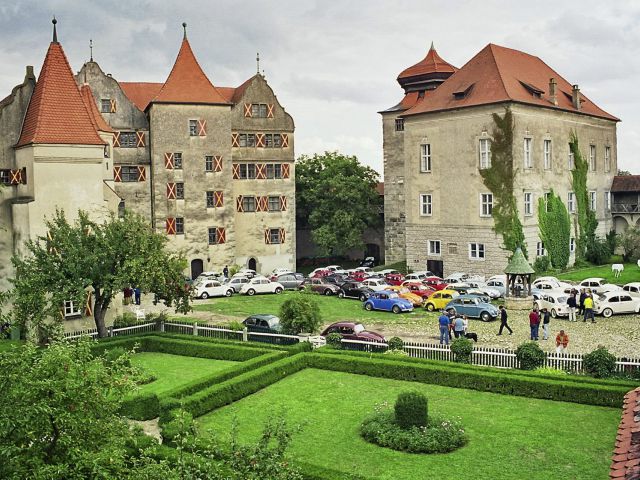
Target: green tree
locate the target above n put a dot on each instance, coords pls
(73, 260)
(630, 243)
(498, 178)
(300, 313)
(555, 229)
(336, 196)
(585, 223)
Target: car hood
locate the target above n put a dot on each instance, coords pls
(371, 336)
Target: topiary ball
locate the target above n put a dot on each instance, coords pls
(411, 410)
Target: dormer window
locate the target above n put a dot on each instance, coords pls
(399, 124)
(463, 93)
(532, 89)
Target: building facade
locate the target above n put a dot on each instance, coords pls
(438, 138)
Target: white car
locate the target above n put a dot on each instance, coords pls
(212, 275)
(334, 268)
(261, 285)
(633, 288)
(425, 273)
(543, 284)
(457, 277)
(387, 271)
(484, 288)
(598, 285)
(366, 270)
(236, 282)
(280, 271)
(498, 284)
(247, 272)
(617, 301)
(555, 302)
(376, 284)
(213, 288)
(416, 276)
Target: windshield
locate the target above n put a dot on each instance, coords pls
(562, 299)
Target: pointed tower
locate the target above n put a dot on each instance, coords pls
(427, 74)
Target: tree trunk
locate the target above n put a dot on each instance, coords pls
(99, 312)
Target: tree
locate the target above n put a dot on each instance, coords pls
(89, 263)
(585, 223)
(630, 243)
(300, 313)
(336, 196)
(555, 229)
(624, 173)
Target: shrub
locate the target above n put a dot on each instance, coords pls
(612, 240)
(396, 343)
(598, 251)
(180, 424)
(541, 264)
(334, 340)
(411, 410)
(462, 349)
(236, 325)
(530, 356)
(299, 314)
(127, 319)
(630, 243)
(600, 363)
(115, 353)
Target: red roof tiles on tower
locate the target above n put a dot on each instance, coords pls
(432, 63)
(90, 102)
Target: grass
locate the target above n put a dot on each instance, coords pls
(510, 437)
(175, 370)
(631, 273)
(6, 345)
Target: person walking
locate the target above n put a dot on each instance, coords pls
(572, 303)
(443, 321)
(458, 327)
(534, 323)
(546, 318)
(503, 320)
(562, 341)
(583, 295)
(136, 295)
(588, 309)
(225, 271)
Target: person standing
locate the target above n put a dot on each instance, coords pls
(588, 309)
(562, 341)
(503, 320)
(583, 295)
(534, 323)
(458, 327)
(137, 292)
(225, 271)
(546, 318)
(443, 320)
(572, 303)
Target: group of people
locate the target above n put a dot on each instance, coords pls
(581, 304)
(452, 325)
(132, 295)
(537, 317)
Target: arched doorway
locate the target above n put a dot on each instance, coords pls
(197, 267)
(252, 264)
(620, 224)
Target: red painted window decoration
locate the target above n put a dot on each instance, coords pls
(18, 177)
(236, 171)
(218, 198)
(234, 140)
(261, 171)
(116, 139)
(221, 236)
(88, 308)
(171, 226)
(270, 110)
(283, 203)
(217, 163)
(140, 139)
(117, 174)
(202, 128)
(260, 140)
(113, 105)
(168, 161)
(171, 191)
(142, 174)
(285, 170)
(247, 110)
(285, 140)
(239, 207)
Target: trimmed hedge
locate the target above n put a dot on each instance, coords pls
(295, 348)
(144, 406)
(187, 348)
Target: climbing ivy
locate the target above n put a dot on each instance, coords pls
(585, 223)
(499, 180)
(555, 229)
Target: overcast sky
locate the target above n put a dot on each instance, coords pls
(333, 64)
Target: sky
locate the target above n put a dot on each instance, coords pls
(333, 64)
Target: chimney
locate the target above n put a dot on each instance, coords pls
(575, 97)
(553, 97)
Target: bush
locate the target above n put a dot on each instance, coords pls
(630, 243)
(236, 326)
(127, 319)
(462, 349)
(396, 343)
(179, 425)
(541, 264)
(600, 363)
(411, 410)
(334, 340)
(530, 356)
(598, 251)
(299, 314)
(115, 353)
(612, 241)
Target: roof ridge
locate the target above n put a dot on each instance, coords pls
(495, 62)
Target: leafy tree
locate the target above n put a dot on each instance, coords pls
(336, 196)
(499, 180)
(300, 313)
(630, 243)
(585, 223)
(623, 173)
(100, 258)
(555, 229)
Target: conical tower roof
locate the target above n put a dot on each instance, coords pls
(432, 63)
(518, 265)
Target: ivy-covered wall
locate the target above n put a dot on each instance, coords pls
(555, 229)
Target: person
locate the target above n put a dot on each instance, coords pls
(127, 295)
(534, 323)
(588, 309)
(562, 341)
(225, 271)
(443, 320)
(458, 327)
(583, 295)
(452, 319)
(546, 318)
(503, 320)
(572, 303)
(137, 292)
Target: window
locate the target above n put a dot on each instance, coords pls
(251, 139)
(180, 191)
(607, 200)
(425, 204)
(274, 204)
(259, 110)
(425, 157)
(547, 154)
(540, 249)
(193, 128)
(105, 105)
(453, 248)
(592, 158)
(268, 140)
(476, 251)
(128, 140)
(129, 173)
(177, 161)
(607, 159)
(215, 236)
(70, 309)
(179, 225)
(485, 153)
(251, 170)
(249, 204)
(528, 203)
(528, 163)
(399, 124)
(277, 140)
(572, 245)
(274, 170)
(208, 163)
(592, 200)
(486, 204)
(5, 177)
(274, 235)
(546, 201)
(572, 161)
(571, 202)
(210, 201)
(434, 247)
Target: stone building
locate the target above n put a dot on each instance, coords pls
(625, 202)
(437, 208)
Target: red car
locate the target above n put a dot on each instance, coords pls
(357, 275)
(353, 331)
(419, 288)
(319, 273)
(394, 278)
(434, 282)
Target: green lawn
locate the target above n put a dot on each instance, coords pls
(510, 437)
(631, 273)
(175, 370)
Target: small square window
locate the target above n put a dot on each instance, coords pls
(242, 139)
(274, 235)
(486, 204)
(180, 225)
(180, 191)
(426, 206)
(399, 124)
(434, 247)
(105, 105)
(249, 204)
(193, 128)
(453, 248)
(210, 201)
(251, 170)
(251, 139)
(208, 163)
(274, 204)
(476, 251)
(177, 161)
(70, 309)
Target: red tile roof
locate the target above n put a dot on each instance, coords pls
(56, 113)
(187, 83)
(140, 93)
(432, 63)
(96, 118)
(625, 463)
(626, 183)
(498, 74)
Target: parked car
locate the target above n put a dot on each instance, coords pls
(319, 273)
(376, 284)
(280, 271)
(261, 285)
(549, 284)
(319, 285)
(597, 285)
(457, 277)
(358, 275)
(247, 272)
(387, 301)
(369, 262)
(499, 285)
(387, 271)
(484, 288)
(353, 331)
(336, 278)
(555, 302)
(616, 301)
(334, 268)
(290, 281)
(404, 292)
(354, 290)
(473, 307)
(212, 288)
(236, 283)
(425, 273)
(633, 288)
(415, 277)
(262, 322)
(212, 275)
(435, 282)
(363, 268)
(394, 278)
(438, 300)
(419, 289)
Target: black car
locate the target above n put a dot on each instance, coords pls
(336, 278)
(368, 262)
(262, 322)
(354, 290)
(290, 281)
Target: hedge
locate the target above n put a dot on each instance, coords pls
(297, 347)
(188, 348)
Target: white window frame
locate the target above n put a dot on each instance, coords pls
(572, 245)
(528, 144)
(592, 158)
(607, 158)
(485, 153)
(432, 251)
(425, 158)
(546, 197)
(528, 204)
(571, 159)
(571, 202)
(593, 200)
(547, 154)
(476, 251)
(607, 200)
(540, 251)
(426, 204)
(70, 309)
(486, 204)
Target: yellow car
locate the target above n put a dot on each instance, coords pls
(404, 292)
(438, 300)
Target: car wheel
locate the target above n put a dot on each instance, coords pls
(368, 306)
(430, 307)
(554, 314)
(607, 312)
(228, 293)
(485, 316)
(363, 297)
(278, 290)
(251, 292)
(395, 309)
(340, 294)
(204, 295)
(328, 292)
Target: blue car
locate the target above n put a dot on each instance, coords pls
(474, 307)
(387, 301)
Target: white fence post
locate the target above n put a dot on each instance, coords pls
(195, 329)
(245, 334)
(110, 331)
(162, 326)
